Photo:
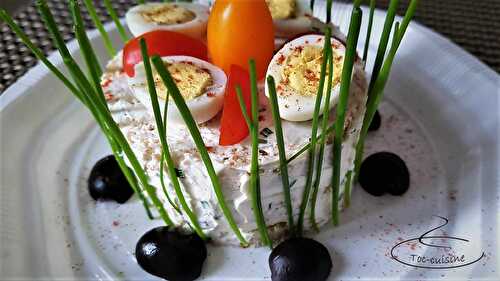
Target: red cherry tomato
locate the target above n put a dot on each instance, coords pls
(239, 30)
(233, 127)
(162, 43)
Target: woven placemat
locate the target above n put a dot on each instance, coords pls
(474, 25)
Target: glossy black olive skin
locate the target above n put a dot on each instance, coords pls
(171, 255)
(107, 181)
(376, 122)
(384, 172)
(300, 259)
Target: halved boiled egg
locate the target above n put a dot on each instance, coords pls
(188, 18)
(295, 17)
(296, 69)
(290, 17)
(200, 83)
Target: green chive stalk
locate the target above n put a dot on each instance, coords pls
(241, 101)
(164, 143)
(98, 24)
(273, 99)
(164, 187)
(114, 16)
(256, 194)
(254, 167)
(162, 160)
(347, 69)
(384, 40)
(369, 30)
(198, 140)
(314, 130)
(323, 139)
(254, 172)
(329, 4)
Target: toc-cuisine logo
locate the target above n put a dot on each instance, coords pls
(436, 251)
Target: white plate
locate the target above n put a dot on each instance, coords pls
(441, 114)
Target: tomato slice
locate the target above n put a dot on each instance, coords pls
(162, 43)
(233, 128)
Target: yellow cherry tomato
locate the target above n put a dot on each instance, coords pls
(239, 30)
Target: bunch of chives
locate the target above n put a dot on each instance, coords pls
(90, 94)
(253, 127)
(381, 70)
(347, 69)
(314, 130)
(323, 138)
(369, 30)
(164, 143)
(198, 140)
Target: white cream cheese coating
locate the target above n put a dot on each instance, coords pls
(232, 163)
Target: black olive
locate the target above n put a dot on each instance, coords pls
(107, 181)
(171, 255)
(376, 122)
(384, 172)
(300, 259)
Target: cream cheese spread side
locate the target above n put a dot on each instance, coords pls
(232, 163)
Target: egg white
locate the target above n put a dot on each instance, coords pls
(203, 108)
(196, 28)
(292, 105)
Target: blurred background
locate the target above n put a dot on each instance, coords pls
(473, 25)
(13, 5)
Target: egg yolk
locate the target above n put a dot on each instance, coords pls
(168, 14)
(191, 80)
(281, 9)
(302, 70)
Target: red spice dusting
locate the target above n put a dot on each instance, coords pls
(210, 149)
(336, 45)
(281, 59)
(108, 96)
(177, 80)
(309, 75)
(299, 49)
(307, 42)
(261, 118)
(319, 39)
(210, 94)
(116, 223)
(106, 83)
